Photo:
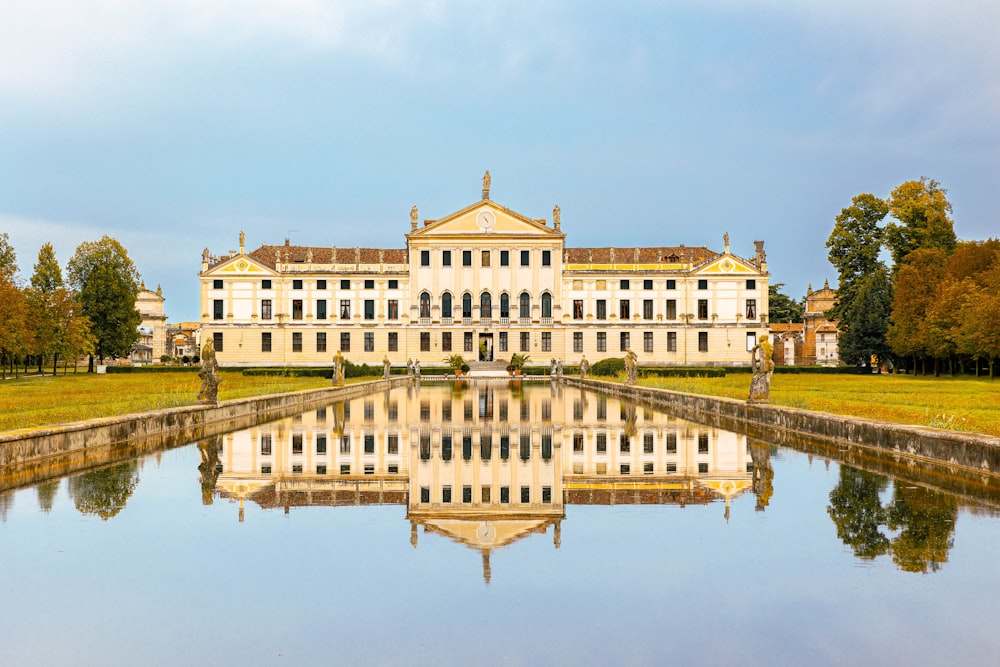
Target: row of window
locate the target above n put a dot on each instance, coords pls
(345, 469)
(485, 258)
(320, 284)
(648, 443)
(368, 444)
(485, 307)
(485, 446)
(468, 342)
(485, 494)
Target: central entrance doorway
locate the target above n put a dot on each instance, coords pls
(485, 347)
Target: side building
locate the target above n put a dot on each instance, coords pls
(484, 282)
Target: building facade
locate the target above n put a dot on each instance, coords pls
(153, 327)
(484, 282)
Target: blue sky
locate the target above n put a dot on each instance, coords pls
(173, 125)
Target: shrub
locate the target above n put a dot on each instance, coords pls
(608, 367)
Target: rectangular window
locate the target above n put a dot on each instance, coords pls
(466, 494)
(217, 341)
(320, 284)
(265, 341)
(320, 469)
(647, 443)
(624, 342)
(296, 443)
(446, 341)
(702, 309)
(578, 443)
(578, 341)
(525, 494)
(345, 309)
(525, 258)
(446, 258)
(505, 258)
(446, 494)
(485, 262)
(485, 494)
(321, 443)
(321, 309)
(265, 309)
(703, 283)
(671, 284)
(467, 447)
(265, 284)
(297, 309)
(345, 341)
(369, 309)
(623, 309)
(577, 309)
(296, 284)
(345, 284)
(393, 309)
(503, 341)
(623, 284)
(504, 494)
(446, 448)
(394, 284)
(546, 341)
(466, 258)
(602, 309)
(671, 309)
(647, 341)
(370, 284)
(425, 341)
(525, 341)
(751, 284)
(467, 341)
(369, 442)
(217, 309)
(425, 258)
(265, 445)
(671, 341)
(751, 309)
(647, 284)
(602, 341)
(504, 446)
(369, 341)
(751, 340)
(546, 258)
(703, 443)
(425, 494)
(602, 443)
(321, 341)
(703, 341)
(647, 309)
(216, 284)
(393, 341)
(297, 341)
(392, 444)
(671, 443)
(624, 444)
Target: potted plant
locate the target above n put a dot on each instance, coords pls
(517, 362)
(457, 363)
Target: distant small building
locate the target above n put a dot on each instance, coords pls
(812, 342)
(182, 339)
(152, 342)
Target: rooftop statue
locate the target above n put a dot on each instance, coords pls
(486, 184)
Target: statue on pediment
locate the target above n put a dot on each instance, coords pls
(486, 184)
(413, 218)
(556, 213)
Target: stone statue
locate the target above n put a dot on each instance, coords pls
(762, 364)
(552, 368)
(209, 394)
(409, 367)
(555, 217)
(486, 184)
(381, 256)
(337, 377)
(243, 240)
(630, 367)
(590, 256)
(204, 255)
(635, 256)
(385, 367)
(584, 367)
(725, 240)
(277, 256)
(559, 368)
(416, 369)
(357, 254)
(309, 255)
(413, 218)
(612, 255)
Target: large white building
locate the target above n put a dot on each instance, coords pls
(483, 282)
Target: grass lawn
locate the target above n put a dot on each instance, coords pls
(43, 401)
(962, 404)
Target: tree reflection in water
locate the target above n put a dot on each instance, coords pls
(104, 492)
(46, 495)
(920, 522)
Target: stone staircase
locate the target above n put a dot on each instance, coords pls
(487, 369)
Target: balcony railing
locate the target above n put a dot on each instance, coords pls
(546, 320)
(504, 321)
(466, 320)
(447, 321)
(524, 321)
(485, 321)
(425, 321)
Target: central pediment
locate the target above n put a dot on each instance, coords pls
(485, 218)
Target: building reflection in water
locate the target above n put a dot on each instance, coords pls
(484, 464)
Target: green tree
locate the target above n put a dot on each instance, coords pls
(864, 323)
(44, 294)
(857, 512)
(917, 284)
(8, 259)
(108, 284)
(781, 307)
(13, 324)
(104, 492)
(921, 210)
(854, 247)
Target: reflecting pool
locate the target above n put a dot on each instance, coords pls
(496, 523)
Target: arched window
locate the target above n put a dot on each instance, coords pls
(504, 305)
(466, 305)
(425, 304)
(485, 305)
(446, 304)
(546, 305)
(525, 305)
